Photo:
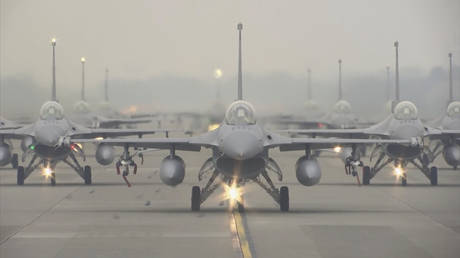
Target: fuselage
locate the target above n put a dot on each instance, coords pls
(240, 150)
(48, 136)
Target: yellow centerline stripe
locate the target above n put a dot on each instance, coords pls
(244, 244)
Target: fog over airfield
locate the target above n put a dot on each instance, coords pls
(165, 52)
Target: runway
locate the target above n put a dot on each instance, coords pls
(336, 218)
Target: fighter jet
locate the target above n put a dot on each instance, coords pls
(450, 120)
(341, 116)
(48, 141)
(240, 154)
(403, 123)
(83, 114)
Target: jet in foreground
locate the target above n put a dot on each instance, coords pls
(240, 154)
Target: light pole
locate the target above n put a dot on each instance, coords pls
(83, 61)
(217, 76)
(53, 91)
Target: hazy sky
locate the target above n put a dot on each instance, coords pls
(140, 39)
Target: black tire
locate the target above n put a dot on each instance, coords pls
(434, 176)
(20, 175)
(284, 198)
(404, 179)
(87, 175)
(366, 175)
(53, 179)
(196, 198)
(240, 207)
(15, 161)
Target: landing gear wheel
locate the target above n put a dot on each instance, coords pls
(20, 175)
(15, 161)
(284, 198)
(53, 179)
(240, 207)
(404, 179)
(87, 175)
(366, 175)
(196, 198)
(434, 176)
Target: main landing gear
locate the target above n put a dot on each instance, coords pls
(430, 172)
(35, 163)
(281, 195)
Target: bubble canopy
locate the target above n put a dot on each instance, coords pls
(405, 110)
(240, 113)
(81, 107)
(342, 106)
(51, 110)
(453, 110)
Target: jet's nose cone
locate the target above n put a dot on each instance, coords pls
(241, 145)
(48, 135)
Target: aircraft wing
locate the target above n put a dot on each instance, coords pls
(18, 133)
(187, 144)
(88, 133)
(292, 144)
(115, 122)
(342, 133)
(443, 134)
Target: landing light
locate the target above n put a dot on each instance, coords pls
(99, 138)
(213, 127)
(337, 149)
(47, 172)
(398, 171)
(232, 193)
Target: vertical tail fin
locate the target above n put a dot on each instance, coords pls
(53, 89)
(106, 85)
(83, 60)
(397, 97)
(240, 79)
(451, 89)
(388, 84)
(309, 96)
(340, 79)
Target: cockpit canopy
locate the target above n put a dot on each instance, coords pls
(405, 110)
(342, 106)
(51, 110)
(240, 113)
(453, 110)
(81, 107)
